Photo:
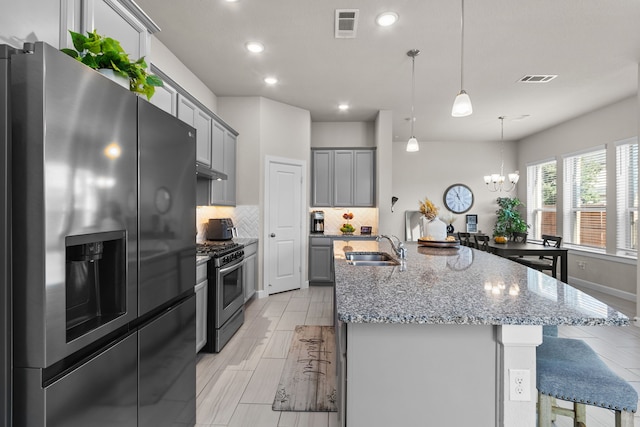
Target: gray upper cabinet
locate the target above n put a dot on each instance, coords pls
(123, 21)
(364, 178)
(343, 177)
(322, 182)
(166, 98)
(189, 113)
(224, 192)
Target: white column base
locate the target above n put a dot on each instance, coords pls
(517, 351)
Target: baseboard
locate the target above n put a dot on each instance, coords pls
(305, 284)
(628, 296)
(262, 294)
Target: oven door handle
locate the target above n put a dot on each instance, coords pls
(229, 267)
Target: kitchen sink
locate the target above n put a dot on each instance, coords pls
(370, 259)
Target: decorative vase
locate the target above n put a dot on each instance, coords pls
(436, 229)
(114, 77)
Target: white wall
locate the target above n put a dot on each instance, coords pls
(285, 130)
(266, 128)
(603, 126)
(384, 176)
(342, 134)
(169, 64)
(243, 114)
(430, 171)
(30, 20)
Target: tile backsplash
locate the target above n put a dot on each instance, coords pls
(333, 219)
(245, 218)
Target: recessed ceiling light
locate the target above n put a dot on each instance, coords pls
(343, 107)
(254, 47)
(270, 80)
(386, 19)
(231, 1)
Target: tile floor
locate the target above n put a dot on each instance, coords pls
(236, 387)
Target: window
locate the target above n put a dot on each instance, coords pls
(627, 197)
(541, 199)
(585, 205)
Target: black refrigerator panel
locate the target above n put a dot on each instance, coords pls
(167, 368)
(74, 206)
(5, 241)
(167, 207)
(99, 392)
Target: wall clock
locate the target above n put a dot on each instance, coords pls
(458, 198)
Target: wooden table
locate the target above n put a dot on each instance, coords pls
(510, 249)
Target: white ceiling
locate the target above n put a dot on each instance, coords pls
(593, 46)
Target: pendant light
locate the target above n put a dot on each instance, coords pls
(462, 104)
(496, 182)
(412, 144)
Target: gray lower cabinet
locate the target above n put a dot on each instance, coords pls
(201, 290)
(320, 260)
(250, 278)
(343, 177)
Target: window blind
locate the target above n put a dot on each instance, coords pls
(627, 197)
(541, 198)
(585, 201)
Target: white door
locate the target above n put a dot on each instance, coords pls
(284, 226)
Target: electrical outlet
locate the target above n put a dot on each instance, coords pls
(520, 384)
(582, 265)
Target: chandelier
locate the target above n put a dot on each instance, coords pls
(498, 182)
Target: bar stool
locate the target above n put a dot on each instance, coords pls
(568, 369)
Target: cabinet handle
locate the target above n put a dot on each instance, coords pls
(273, 234)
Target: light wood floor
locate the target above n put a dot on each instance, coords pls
(236, 387)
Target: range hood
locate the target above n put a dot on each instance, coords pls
(205, 172)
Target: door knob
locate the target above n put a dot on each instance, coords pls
(273, 234)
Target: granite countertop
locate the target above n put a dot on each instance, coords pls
(458, 286)
(341, 236)
(245, 240)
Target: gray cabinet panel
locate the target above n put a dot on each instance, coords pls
(321, 260)
(217, 146)
(343, 178)
(364, 178)
(322, 191)
(224, 154)
(250, 277)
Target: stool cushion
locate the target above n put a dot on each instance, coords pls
(568, 369)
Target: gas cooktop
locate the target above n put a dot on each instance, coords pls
(217, 248)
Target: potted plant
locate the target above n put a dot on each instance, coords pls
(509, 219)
(99, 52)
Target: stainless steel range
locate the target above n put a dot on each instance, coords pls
(226, 299)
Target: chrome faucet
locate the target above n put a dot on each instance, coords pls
(400, 250)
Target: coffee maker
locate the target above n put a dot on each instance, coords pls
(317, 222)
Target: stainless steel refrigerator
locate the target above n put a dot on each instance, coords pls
(103, 254)
(5, 242)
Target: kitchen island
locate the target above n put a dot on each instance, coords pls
(432, 340)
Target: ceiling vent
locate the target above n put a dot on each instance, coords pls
(537, 78)
(346, 23)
